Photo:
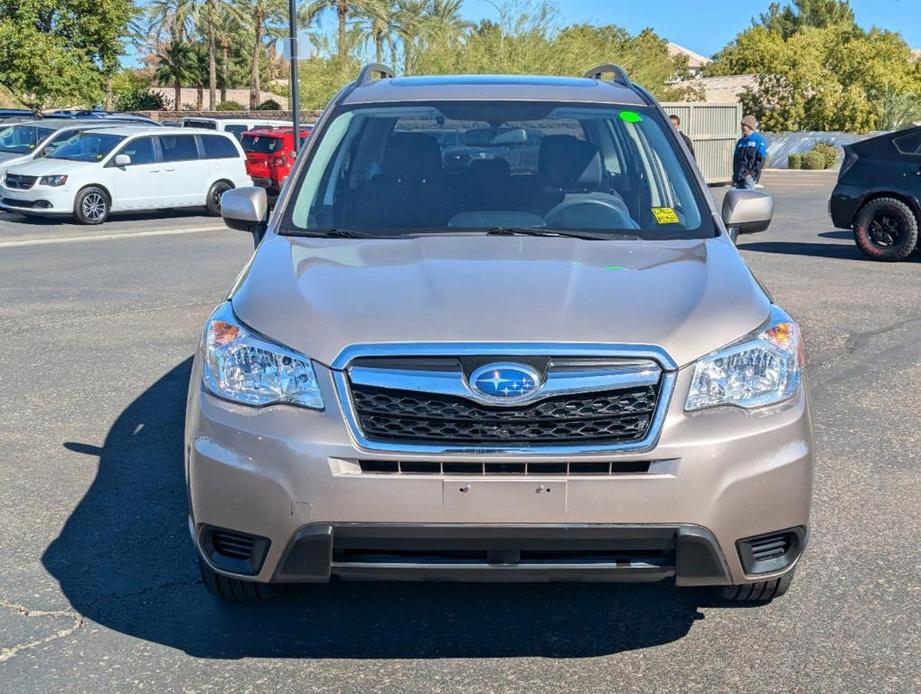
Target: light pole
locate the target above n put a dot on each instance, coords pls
(294, 100)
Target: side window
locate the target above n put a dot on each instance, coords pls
(178, 147)
(217, 147)
(909, 144)
(141, 151)
(236, 130)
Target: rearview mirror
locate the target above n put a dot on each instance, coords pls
(245, 209)
(122, 160)
(747, 211)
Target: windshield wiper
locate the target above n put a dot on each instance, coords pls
(537, 231)
(335, 233)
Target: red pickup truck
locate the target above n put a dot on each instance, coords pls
(270, 155)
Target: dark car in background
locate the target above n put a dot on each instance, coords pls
(878, 194)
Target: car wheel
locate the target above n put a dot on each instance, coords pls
(92, 206)
(233, 589)
(214, 197)
(763, 591)
(886, 229)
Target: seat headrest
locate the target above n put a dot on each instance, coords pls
(490, 170)
(411, 157)
(567, 162)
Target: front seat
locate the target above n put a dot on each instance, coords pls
(571, 177)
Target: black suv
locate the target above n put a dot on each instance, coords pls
(879, 194)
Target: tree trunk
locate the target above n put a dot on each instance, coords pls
(254, 88)
(177, 95)
(212, 62)
(225, 55)
(108, 92)
(200, 97)
(342, 10)
(378, 45)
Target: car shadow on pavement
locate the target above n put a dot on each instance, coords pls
(125, 561)
(843, 251)
(147, 215)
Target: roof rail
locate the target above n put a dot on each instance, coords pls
(369, 71)
(620, 75)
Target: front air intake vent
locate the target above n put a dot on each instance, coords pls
(771, 552)
(233, 551)
(398, 467)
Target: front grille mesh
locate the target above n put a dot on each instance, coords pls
(405, 467)
(612, 416)
(14, 181)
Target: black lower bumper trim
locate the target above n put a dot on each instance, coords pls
(463, 552)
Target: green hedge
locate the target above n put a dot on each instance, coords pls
(829, 153)
(228, 106)
(795, 161)
(813, 161)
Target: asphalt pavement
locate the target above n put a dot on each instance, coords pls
(98, 585)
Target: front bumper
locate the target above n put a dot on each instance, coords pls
(284, 474)
(38, 199)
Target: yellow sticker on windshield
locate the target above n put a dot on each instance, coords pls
(665, 215)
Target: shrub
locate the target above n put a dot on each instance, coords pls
(228, 106)
(140, 99)
(269, 105)
(795, 161)
(829, 152)
(813, 160)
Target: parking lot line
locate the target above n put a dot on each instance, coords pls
(106, 237)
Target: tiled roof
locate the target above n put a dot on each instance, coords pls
(695, 60)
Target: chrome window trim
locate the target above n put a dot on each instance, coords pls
(456, 384)
(666, 390)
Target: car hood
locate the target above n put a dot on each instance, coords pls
(8, 159)
(319, 296)
(47, 165)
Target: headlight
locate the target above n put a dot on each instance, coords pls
(762, 369)
(52, 180)
(246, 368)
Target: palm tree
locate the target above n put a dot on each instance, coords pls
(228, 29)
(343, 8)
(379, 24)
(174, 18)
(176, 63)
(412, 25)
(265, 16)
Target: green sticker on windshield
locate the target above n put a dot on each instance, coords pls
(630, 117)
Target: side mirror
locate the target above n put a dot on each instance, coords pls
(122, 160)
(245, 209)
(747, 211)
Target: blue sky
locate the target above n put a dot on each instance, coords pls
(706, 26)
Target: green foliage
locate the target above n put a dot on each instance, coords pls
(57, 52)
(228, 106)
(829, 152)
(269, 105)
(795, 161)
(813, 161)
(140, 99)
(816, 70)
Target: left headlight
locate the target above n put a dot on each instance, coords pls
(52, 180)
(249, 369)
(762, 369)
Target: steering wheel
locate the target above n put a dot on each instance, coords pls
(589, 213)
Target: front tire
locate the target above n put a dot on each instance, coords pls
(886, 229)
(763, 591)
(92, 206)
(233, 589)
(213, 203)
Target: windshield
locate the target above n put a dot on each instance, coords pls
(263, 144)
(22, 139)
(612, 171)
(87, 146)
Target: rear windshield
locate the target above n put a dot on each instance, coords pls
(22, 139)
(209, 124)
(263, 144)
(608, 170)
(87, 146)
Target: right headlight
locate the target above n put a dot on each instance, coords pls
(249, 369)
(761, 369)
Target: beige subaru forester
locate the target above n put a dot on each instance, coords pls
(495, 330)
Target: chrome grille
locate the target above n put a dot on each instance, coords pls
(429, 402)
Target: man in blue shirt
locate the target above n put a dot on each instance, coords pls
(751, 151)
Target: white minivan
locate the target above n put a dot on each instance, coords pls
(236, 126)
(126, 169)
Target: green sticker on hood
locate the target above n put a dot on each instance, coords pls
(630, 117)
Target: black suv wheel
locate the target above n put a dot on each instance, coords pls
(886, 229)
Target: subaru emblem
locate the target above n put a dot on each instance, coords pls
(505, 381)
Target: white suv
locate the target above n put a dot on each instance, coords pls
(126, 169)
